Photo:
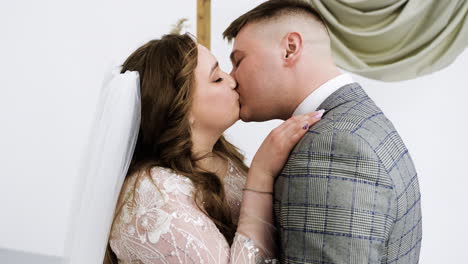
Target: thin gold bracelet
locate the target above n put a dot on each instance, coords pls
(248, 189)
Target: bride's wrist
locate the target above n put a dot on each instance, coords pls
(259, 180)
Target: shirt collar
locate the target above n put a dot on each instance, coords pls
(318, 96)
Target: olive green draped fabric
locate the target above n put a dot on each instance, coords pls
(394, 40)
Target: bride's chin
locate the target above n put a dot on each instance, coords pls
(230, 124)
(235, 117)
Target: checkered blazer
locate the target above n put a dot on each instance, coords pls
(349, 192)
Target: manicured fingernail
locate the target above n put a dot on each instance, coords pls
(306, 126)
(319, 113)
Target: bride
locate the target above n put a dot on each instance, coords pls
(188, 197)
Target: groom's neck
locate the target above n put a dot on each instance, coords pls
(309, 81)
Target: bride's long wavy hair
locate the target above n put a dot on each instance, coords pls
(167, 81)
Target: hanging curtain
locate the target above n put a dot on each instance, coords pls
(394, 40)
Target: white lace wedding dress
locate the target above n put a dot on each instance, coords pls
(164, 225)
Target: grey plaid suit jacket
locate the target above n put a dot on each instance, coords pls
(349, 192)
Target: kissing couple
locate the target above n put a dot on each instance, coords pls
(334, 183)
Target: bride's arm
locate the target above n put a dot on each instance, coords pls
(256, 230)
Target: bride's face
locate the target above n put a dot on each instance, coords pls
(215, 104)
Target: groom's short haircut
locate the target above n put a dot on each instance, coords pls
(271, 10)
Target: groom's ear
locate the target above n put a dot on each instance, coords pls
(292, 46)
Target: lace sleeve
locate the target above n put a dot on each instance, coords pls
(164, 225)
(255, 238)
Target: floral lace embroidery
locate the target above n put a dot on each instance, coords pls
(163, 224)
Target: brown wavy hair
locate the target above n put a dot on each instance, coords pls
(167, 81)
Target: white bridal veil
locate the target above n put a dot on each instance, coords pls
(105, 162)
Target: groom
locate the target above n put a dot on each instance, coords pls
(349, 191)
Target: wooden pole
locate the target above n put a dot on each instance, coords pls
(204, 22)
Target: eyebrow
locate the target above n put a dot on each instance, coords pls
(213, 68)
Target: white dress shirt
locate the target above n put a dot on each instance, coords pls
(318, 96)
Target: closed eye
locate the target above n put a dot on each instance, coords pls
(238, 63)
(219, 80)
(235, 63)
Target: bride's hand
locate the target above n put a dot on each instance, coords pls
(274, 151)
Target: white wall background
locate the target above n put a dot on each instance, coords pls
(53, 55)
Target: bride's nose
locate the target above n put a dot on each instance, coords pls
(232, 82)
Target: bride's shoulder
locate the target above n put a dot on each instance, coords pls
(159, 185)
(164, 179)
(156, 173)
(162, 174)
